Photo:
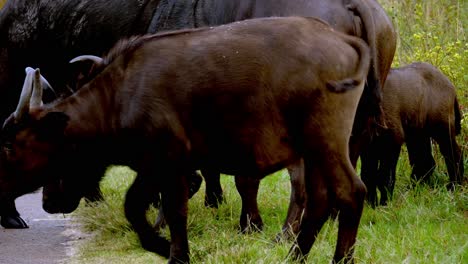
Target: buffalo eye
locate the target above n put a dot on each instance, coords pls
(7, 147)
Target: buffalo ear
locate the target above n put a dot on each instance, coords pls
(52, 125)
(82, 69)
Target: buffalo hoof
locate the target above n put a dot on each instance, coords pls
(252, 225)
(213, 200)
(13, 222)
(286, 235)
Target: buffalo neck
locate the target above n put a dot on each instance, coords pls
(93, 111)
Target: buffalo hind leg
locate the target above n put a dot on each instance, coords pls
(250, 219)
(369, 168)
(349, 194)
(331, 183)
(420, 156)
(297, 202)
(453, 159)
(318, 209)
(9, 216)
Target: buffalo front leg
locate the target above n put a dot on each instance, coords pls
(160, 221)
(137, 200)
(195, 181)
(9, 216)
(250, 219)
(174, 200)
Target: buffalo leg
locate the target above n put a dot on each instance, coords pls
(369, 167)
(250, 219)
(329, 184)
(10, 218)
(453, 159)
(318, 209)
(160, 221)
(420, 156)
(138, 199)
(387, 171)
(357, 143)
(194, 185)
(297, 202)
(213, 191)
(174, 203)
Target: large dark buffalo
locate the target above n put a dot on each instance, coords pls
(245, 112)
(48, 33)
(420, 104)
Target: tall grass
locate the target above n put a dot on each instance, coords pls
(425, 224)
(421, 225)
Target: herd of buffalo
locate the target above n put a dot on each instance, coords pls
(240, 87)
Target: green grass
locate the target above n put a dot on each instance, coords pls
(425, 224)
(421, 225)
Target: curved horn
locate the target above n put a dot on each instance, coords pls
(46, 85)
(95, 59)
(36, 97)
(25, 97)
(29, 70)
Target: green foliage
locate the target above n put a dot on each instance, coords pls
(433, 31)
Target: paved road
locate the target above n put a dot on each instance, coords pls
(48, 240)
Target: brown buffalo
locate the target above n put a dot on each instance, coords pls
(362, 18)
(420, 104)
(246, 99)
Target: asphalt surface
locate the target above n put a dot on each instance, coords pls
(50, 239)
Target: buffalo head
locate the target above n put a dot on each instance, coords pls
(30, 142)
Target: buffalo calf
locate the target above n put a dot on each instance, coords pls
(419, 103)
